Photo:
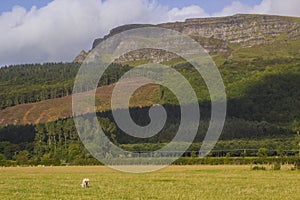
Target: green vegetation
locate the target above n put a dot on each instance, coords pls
(29, 83)
(57, 143)
(175, 182)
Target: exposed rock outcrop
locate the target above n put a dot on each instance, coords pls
(80, 58)
(215, 34)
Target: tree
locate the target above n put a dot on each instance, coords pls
(22, 157)
(2, 160)
(297, 142)
(2, 157)
(296, 128)
(262, 154)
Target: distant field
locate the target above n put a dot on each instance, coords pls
(175, 182)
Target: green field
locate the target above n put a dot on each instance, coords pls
(175, 182)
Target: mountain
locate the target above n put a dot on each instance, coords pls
(257, 55)
(221, 34)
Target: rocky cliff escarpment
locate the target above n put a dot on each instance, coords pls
(216, 34)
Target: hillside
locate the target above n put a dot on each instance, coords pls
(58, 108)
(260, 90)
(253, 52)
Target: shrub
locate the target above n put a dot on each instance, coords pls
(256, 167)
(277, 166)
(297, 164)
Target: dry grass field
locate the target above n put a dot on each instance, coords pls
(174, 182)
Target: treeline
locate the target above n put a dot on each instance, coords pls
(37, 82)
(58, 143)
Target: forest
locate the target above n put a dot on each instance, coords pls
(58, 143)
(30, 83)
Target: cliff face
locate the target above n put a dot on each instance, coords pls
(214, 34)
(80, 58)
(246, 30)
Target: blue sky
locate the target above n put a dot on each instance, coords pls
(57, 30)
(210, 6)
(7, 5)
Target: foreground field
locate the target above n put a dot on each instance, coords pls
(175, 182)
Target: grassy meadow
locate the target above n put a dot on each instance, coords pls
(174, 182)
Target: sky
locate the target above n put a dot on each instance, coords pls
(39, 31)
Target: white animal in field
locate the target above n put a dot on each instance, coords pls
(85, 183)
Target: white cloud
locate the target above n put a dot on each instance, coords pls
(274, 7)
(60, 30)
(279, 7)
(186, 12)
(234, 8)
